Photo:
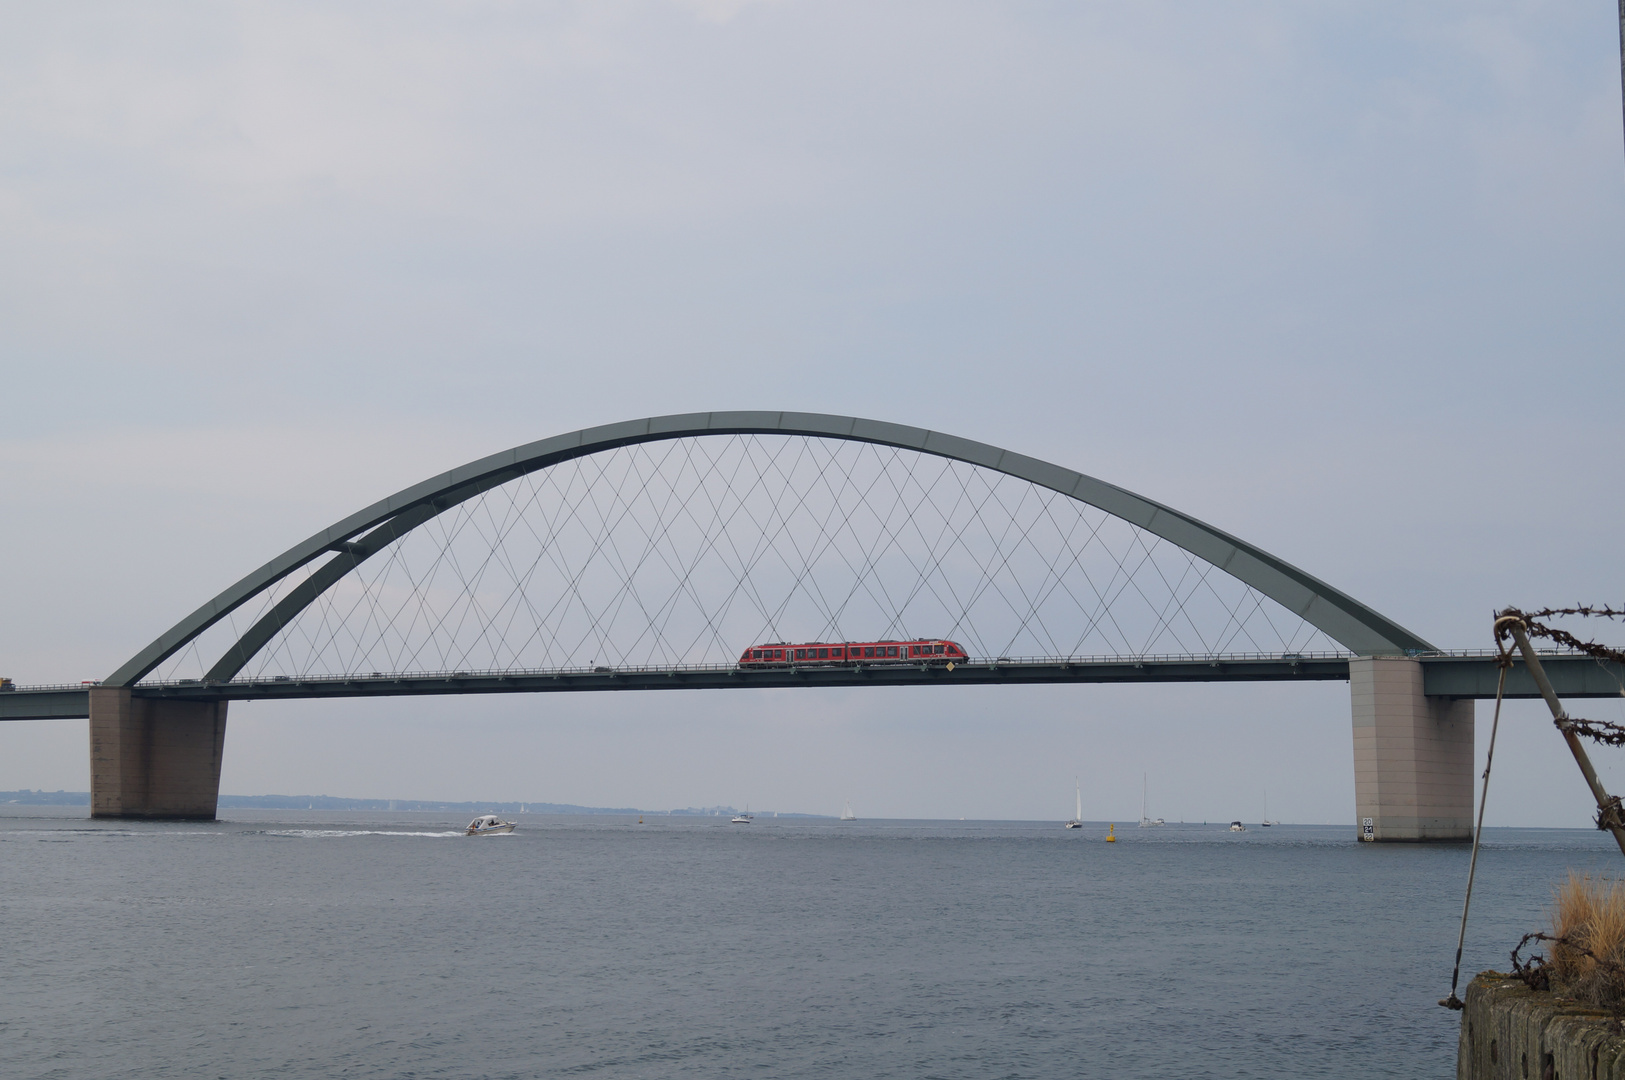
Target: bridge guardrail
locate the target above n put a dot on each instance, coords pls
(661, 669)
(653, 669)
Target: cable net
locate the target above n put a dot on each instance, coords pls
(689, 551)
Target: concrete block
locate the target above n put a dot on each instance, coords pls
(1413, 763)
(152, 758)
(1509, 1032)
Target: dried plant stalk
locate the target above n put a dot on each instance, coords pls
(1589, 914)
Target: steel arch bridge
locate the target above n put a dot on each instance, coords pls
(648, 554)
(340, 551)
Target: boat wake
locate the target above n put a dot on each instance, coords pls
(326, 834)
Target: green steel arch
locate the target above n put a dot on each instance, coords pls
(1342, 618)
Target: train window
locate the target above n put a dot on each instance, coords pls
(868, 650)
(778, 654)
(823, 654)
(891, 650)
(801, 654)
(936, 648)
(756, 654)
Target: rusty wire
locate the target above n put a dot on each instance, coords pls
(1535, 628)
(1537, 973)
(1598, 731)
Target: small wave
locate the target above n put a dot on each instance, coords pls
(324, 834)
(117, 834)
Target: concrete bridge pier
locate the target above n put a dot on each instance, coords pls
(1413, 755)
(153, 758)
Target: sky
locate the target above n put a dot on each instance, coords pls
(1342, 279)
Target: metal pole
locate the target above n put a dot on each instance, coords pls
(1454, 1002)
(1622, 57)
(1607, 806)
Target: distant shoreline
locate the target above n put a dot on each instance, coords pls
(27, 797)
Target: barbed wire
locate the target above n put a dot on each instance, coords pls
(1537, 973)
(1598, 731)
(1535, 628)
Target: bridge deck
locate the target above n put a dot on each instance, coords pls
(1464, 675)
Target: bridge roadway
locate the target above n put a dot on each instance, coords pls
(1445, 675)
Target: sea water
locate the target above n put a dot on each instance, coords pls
(292, 945)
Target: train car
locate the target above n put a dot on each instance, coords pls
(830, 653)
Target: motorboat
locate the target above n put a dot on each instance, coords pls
(1077, 818)
(489, 825)
(1236, 826)
(742, 819)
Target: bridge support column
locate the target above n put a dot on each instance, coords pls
(1413, 755)
(152, 758)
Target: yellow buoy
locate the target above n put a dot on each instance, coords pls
(1111, 834)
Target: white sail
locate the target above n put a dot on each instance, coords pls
(1146, 821)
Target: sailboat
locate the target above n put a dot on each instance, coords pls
(847, 814)
(1145, 822)
(1267, 822)
(1077, 819)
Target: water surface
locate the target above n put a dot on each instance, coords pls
(336, 944)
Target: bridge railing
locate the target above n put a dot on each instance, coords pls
(660, 669)
(37, 688)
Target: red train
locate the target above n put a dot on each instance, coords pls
(806, 654)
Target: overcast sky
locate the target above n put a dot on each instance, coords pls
(1344, 279)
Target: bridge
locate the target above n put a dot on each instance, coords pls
(648, 555)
